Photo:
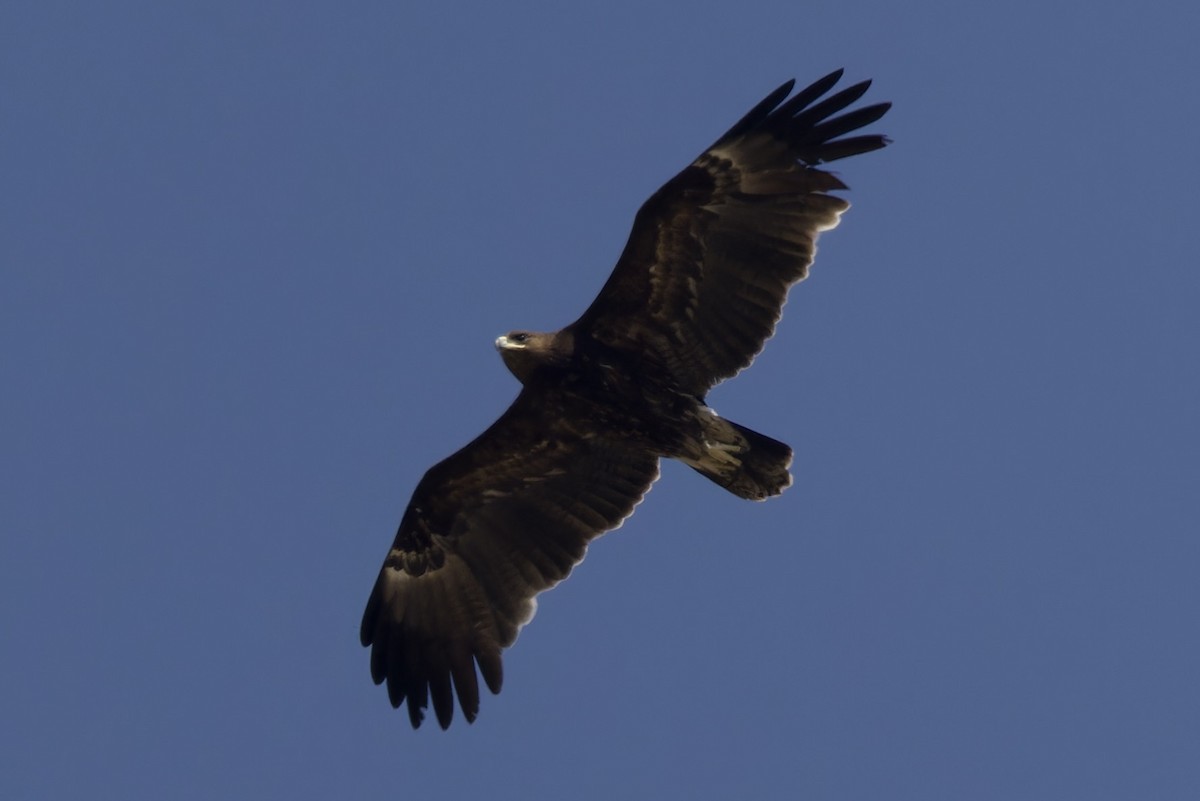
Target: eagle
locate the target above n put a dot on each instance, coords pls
(696, 293)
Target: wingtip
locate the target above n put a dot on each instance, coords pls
(416, 714)
(834, 76)
(445, 720)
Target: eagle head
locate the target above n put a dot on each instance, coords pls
(525, 351)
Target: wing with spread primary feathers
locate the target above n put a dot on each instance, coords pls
(712, 254)
(487, 529)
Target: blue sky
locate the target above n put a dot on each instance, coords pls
(252, 260)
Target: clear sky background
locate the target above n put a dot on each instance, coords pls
(252, 260)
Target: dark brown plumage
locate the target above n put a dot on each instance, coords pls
(695, 294)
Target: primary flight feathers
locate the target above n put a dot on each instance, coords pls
(696, 293)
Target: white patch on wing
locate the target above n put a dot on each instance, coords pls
(722, 154)
(531, 607)
(556, 471)
(394, 592)
(833, 223)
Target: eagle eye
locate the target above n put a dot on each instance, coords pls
(519, 338)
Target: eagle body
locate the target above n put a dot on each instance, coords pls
(696, 293)
(626, 392)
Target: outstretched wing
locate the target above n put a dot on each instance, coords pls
(487, 529)
(704, 276)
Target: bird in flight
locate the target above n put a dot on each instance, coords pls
(694, 296)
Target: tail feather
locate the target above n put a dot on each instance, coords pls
(748, 464)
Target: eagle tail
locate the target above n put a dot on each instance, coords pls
(748, 464)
